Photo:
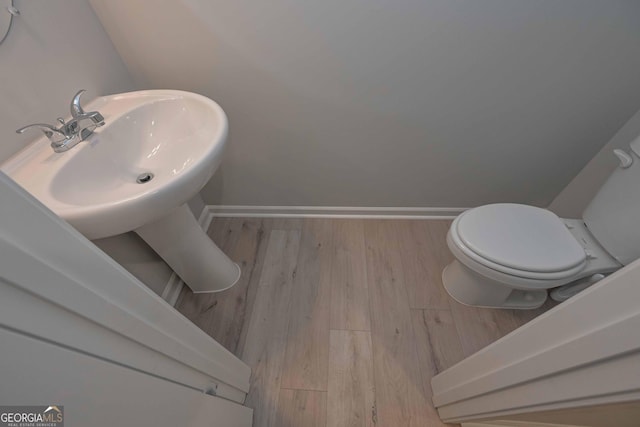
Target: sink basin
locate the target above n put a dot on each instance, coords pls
(176, 136)
(157, 150)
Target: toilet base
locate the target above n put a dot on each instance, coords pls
(469, 288)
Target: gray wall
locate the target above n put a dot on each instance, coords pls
(406, 103)
(56, 47)
(575, 197)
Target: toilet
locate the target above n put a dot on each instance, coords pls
(510, 255)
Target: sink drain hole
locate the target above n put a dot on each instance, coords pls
(143, 178)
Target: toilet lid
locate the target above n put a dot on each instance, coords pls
(520, 237)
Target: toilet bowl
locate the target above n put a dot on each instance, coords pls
(508, 255)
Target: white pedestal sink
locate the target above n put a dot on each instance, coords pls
(157, 150)
(180, 241)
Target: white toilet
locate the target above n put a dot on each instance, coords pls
(509, 255)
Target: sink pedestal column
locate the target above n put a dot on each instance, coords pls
(181, 242)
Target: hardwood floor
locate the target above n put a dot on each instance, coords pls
(351, 391)
(307, 348)
(343, 322)
(401, 398)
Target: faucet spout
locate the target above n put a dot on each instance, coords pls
(76, 107)
(78, 115)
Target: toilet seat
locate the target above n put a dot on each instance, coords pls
(519, 240)
(492, 268)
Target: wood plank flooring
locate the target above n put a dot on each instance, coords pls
(307, 348)
(351, 390)
(343, 322)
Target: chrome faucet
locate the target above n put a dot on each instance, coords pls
(69, 134)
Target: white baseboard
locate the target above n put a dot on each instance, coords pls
(172, 289)
(333, 212)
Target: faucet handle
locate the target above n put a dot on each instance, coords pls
(45, 128)
(76, 108)
(55, 135)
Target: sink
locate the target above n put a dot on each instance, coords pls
(177, 136)
(157, 150)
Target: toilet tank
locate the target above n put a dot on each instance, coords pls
(612, 216)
